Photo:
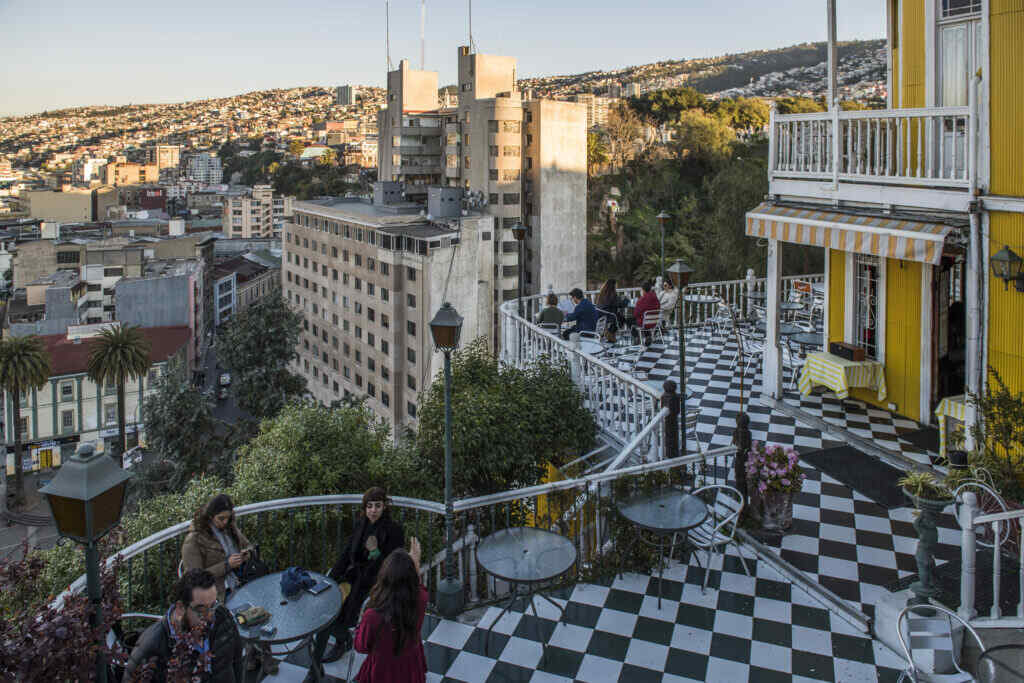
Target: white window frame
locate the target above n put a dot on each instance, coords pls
(850, 303)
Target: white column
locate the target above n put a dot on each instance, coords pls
(771, 376)
(832, 54)
(824, 308)
(925, 396)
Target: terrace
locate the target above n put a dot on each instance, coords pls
(804, 613)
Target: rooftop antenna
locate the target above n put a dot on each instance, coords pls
(387, 32)
(423, 28)
(472, 48)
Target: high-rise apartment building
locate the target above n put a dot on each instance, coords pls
(204, 168)
(525, 158)
(345, 95)
(256, 213)
(369, 277)
(597, 108)
(165, 156)
(123, 172)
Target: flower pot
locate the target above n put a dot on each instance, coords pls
(776, 510)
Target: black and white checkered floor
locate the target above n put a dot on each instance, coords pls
(742, 628)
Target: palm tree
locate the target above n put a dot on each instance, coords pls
(24, 365)
(118, 353)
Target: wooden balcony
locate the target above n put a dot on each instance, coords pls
(905, 157)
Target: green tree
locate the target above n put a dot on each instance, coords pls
(522, 419)
(703, 138)
(117, 354)
(24, 365)
(623, 128)
(798, 105)
(597, 152)
(664, 106)
(262, 340)
(181, 429)
(751, 114)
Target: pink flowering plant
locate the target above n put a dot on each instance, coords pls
(771, 467)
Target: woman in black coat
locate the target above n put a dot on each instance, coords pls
(374, 537)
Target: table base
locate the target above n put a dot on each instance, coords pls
(660, 545)
(530, 595)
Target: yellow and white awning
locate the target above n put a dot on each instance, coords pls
(874, 235)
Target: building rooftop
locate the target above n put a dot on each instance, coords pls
(19, 311)
(70, 357)
(244, 269)
(170, 267)
(406, 218)
(60, 278)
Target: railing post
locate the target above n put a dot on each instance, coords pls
(968, 555)
(773, 142)
(836, 147)
(742, 439)
(670, 400)
(750, 290)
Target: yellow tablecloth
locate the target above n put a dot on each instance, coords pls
(840, 375)
(951, 407)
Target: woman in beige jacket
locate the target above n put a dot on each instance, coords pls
(216, 544)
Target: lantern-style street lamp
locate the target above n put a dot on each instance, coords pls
(86, 499)
(446, 328)
(1006, 264)
(680, 274)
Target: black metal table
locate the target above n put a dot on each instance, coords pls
(663, 513)
(1001, 664)
(785, 329)
(808, 339)
(525, 556)
(297, 619)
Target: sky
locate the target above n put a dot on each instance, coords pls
(66, 53)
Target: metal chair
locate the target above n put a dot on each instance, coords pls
(719, 529)
(553, 328)
(651, 324)
(930, 630)
(691, 428)
(794, 361)
(751, 351)
(117, 636)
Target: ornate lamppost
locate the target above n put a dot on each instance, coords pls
(662, 217)
(86, 499)
(680, 274)
(445, 328)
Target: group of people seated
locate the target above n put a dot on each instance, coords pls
(384, 589)
(660, 295)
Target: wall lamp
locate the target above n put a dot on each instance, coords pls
(1007, 265)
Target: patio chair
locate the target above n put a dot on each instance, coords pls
(719, 529)
(126, 639)
(691, 428)
(751, 352)
(651, 324)
(929, 628)
(598, 334)
(793, 361)
(552, 328)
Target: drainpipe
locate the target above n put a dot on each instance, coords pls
(976, 269)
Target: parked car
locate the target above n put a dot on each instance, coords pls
(225, 379)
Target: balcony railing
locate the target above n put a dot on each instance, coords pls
(929, 147)
(994, 532)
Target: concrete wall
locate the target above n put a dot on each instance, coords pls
(154, 302)
(484, 76)
(558, 177)
(63, 207)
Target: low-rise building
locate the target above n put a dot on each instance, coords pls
(122, 172)
(239, 282)
(72, 205)
(72, 408)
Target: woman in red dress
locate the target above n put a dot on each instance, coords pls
(389, 632)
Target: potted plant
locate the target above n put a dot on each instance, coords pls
(774, 476)
(926, 491)
(930, 496)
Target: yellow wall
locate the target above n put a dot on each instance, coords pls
(902, 331)
(1006, 306)
(911, 64)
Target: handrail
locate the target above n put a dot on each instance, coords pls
(999, 517)
(643, 434)
(969, 522)
(959, 110)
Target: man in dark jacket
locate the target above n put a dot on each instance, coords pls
(197, 630)
(584, 314)
(648, 302)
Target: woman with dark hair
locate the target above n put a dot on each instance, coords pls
(608, 305)
(215, 543)
(389, 633)
(374, 538)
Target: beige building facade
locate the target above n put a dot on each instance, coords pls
(73, 205)
(259, 213)
(122, 172)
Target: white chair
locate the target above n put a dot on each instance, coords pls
(722, 320)
(599, 331)
(651, 324)
(751, 351)
(793, 361)
(929, 628)
(117, 636)
(719, 529)
(691, 428)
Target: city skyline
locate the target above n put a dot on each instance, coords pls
(203, 51)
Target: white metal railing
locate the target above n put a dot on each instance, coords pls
(1006, 528)
(929, 146)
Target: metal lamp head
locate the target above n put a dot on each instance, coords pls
(663, 216)
(445, 328)
(680, 273)
(1006, 264)
(519, 231)
(87, 496)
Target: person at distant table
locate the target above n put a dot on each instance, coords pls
(648, 302)
(584, 314)
(551, 314)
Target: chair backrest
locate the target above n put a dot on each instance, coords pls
(725, 509)
(550, 327)
(181, 568)
(691, 419)
(601, 326)
(929, 629)
(651, 318)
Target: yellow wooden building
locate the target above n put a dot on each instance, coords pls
(911, 204)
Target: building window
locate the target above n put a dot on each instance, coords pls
(383, 293)
(492, 198)
(385, 374)
(370, 289)
(411, 409)
(410, 274)
(67, 420)
(385, 399)
(509, 151)
(410, 355)
(493, 174)
(410, 328)
(510, 198)
(110, 414)
(385, 322)
(410, 300)
(385, 269)
(359, 380)
(67, 391)
(866, 295)
(411, 382)
(384, 346)
(371, 390)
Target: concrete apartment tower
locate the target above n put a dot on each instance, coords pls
(409, 148)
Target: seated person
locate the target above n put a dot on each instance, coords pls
(648, 302)
(194, 609)
(215, 543)
(584, 314)
(374, 537)
(668, 297)
(551, 314)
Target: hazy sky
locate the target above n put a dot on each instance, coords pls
(62, 53)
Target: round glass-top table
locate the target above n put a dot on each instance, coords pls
(756, 296)
(298, 618)
(591, 347)
(700, 299)
(785, 329)
(664, 513)
(1001, 664)
(525, 556)
(807, 339)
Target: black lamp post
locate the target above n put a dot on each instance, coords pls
(680, 274)
(1007, 265)
(445, 328)
(519, 232)
(86, 499)
(662, 217)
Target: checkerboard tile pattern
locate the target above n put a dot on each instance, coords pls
(757, 628)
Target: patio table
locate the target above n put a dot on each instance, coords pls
(700, 299)
(525, 556)
(297, 619)
(807, 339)
(785, 329)
(663, 513)
(840, 375)
(951, 408)
(1001, 664)
(592, 348)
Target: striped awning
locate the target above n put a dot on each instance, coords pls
(874, 235)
